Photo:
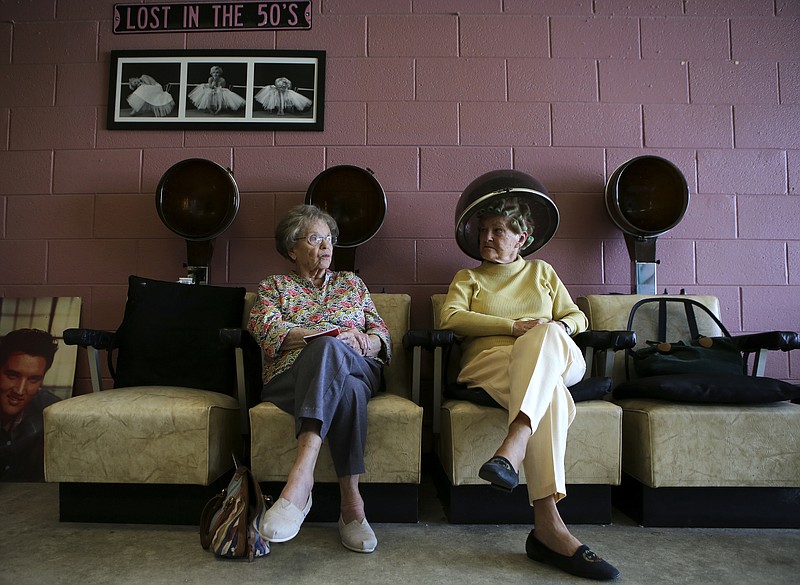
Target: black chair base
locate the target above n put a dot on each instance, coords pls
(182, 504)
(708, 507)
(136, 503)
(383, 502)
(484, 504)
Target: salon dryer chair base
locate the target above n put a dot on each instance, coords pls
(129, 503)
(484, 504)
(383, 502)
(708, 507)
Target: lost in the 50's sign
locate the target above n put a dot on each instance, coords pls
(211, 16)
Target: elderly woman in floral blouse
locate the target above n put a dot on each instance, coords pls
(324, 345)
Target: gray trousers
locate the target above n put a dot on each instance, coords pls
(330, 382)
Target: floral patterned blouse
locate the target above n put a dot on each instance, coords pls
(289, 300)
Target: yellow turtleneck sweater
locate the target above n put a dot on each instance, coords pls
(482, 303)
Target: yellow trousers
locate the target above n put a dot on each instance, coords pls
(532, 376)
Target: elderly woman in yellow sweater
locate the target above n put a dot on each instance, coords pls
(515, 319)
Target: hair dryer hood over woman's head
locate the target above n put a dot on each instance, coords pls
(489, 190)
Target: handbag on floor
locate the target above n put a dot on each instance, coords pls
(230, 520)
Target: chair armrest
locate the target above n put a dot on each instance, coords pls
(434, 340)
(232, 337)
(605, 343)
(93, 340)
(770, 340)
(428, 339)
(248, 370)
(759, 344)
(89, 338)
(601, 340)
(598, 339)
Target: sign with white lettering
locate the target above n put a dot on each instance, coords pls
(211, 16)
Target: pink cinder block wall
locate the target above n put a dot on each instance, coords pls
(428, 94)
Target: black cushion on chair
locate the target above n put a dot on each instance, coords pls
(170, 335)
(478, 396)
(587, 389)
(590, 389)
(730, 389)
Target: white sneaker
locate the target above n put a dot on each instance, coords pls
(357, 536)
(283, 520)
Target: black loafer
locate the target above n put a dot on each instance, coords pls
(584, 563)
(500, 473)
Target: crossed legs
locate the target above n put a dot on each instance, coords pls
(327, 389)
(537, 371)
(549, 529)
(301, 477)
(538, 366)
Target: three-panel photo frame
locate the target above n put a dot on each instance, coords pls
(220, 90)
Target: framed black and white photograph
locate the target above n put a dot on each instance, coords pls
(220, 90)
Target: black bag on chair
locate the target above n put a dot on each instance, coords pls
(697, 368)
(705, 355)
(698, 354)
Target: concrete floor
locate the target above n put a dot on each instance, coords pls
(36, 549)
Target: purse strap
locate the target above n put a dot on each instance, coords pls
(691, 318)
(208, 512)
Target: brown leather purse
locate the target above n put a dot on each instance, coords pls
(230, 521)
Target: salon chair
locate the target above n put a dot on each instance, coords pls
(724, 453)
(469, 427)
(390, 484)
(159, 444)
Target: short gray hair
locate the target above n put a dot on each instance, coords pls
(296, 221)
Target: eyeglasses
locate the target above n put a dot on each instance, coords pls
(316, 239)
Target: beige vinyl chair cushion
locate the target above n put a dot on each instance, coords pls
(178, 436)
(393, 452)
(708, 445)
(472, 433)
(671, 444)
